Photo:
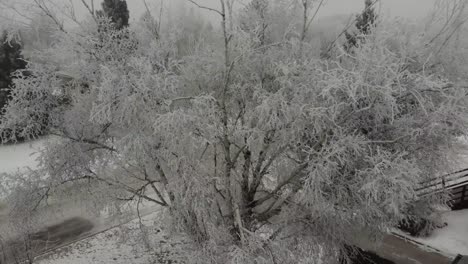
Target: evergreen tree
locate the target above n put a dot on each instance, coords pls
(117, 11)
(10, 61)
(364, 24)
(366, 20)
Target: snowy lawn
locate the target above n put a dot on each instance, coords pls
(453, 238)
(121, 245)
(17, 156)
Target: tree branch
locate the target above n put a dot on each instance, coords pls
(332, 44)
(293, 175)
(84, 140)
(48, 13)
(90, 9)
(206, 8)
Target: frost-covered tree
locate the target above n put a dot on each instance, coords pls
(117, 11)
(289, 169)
(276, 20)
(365, 22)
(254, 19)
(38, 34)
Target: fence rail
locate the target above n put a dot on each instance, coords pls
(456, 183)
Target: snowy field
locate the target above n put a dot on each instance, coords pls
(451, 239)
(18, 156)
(454, 237)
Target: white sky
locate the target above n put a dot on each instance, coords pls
(403, 8)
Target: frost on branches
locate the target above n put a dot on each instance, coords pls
(260, 151)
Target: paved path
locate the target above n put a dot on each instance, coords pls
(102, 225)
(394, 247)
(402, 251)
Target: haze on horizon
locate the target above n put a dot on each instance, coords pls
(404, 8)
(401, 8)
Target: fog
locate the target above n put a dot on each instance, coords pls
(403, 8)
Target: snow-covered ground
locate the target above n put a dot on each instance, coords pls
(121, 245)
(126, 244)
(17, 156)
(453, 238)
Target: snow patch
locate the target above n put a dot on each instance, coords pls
(17, 156)
(122, 245)
(453, 238)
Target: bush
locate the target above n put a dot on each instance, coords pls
(358, 256)
(422, 219)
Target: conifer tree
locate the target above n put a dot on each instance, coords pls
(364, 24)
(10, 61)
(366, 20)
(117, 11)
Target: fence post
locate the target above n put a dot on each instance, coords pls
(457, 259)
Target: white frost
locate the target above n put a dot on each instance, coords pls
(453, 238)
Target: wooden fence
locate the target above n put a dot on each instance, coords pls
(456, 183)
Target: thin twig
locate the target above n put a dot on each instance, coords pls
(90, 9)
(315, 14)
(205, 7)
(332, 44)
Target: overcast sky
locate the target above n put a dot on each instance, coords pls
(403, 8)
